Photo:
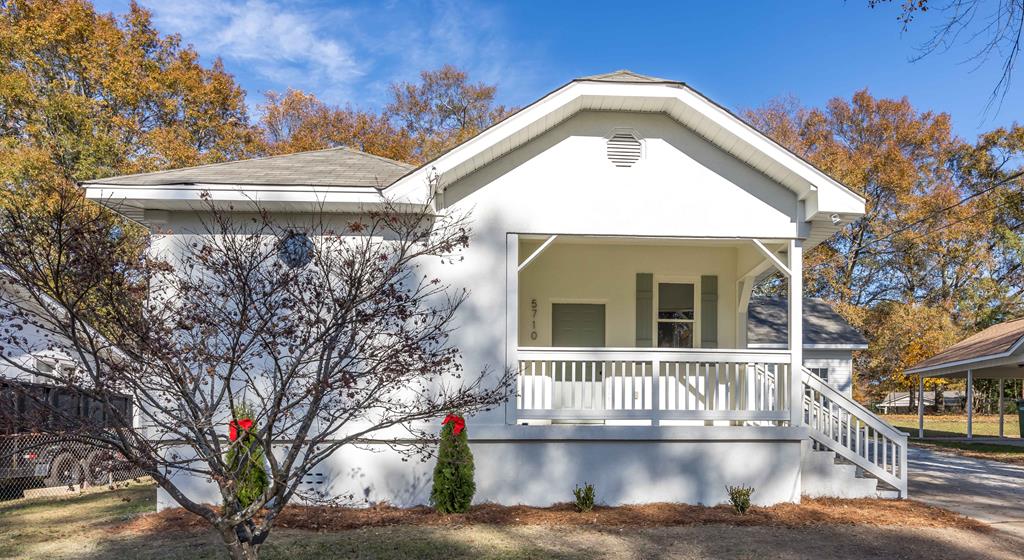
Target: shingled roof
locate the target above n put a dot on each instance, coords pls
(768, 323)
(626, 76)
(993, 342)
(333, 167)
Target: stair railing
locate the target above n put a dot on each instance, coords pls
(840, 424)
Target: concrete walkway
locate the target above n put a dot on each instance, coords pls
(989, 491)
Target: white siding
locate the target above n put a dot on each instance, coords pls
(839, 364)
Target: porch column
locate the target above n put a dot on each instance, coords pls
(512, 320)
(796, 331)
(920, 406)
(1000, 408)
(970, 404)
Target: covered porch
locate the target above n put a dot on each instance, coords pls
(648, 331)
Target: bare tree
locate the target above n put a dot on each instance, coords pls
(994, 28)
(330, 333)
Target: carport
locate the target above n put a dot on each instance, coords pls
(994, 353)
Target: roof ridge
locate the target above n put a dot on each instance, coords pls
(399, 163)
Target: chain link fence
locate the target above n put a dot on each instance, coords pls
(41, 466)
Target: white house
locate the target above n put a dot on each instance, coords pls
(620, 224)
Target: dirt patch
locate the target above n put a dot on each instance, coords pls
(809, 513)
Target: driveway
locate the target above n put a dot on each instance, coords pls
(989, 491)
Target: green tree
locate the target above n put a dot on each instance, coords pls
(453, 475)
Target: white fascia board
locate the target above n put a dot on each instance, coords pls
(413, 186)
(771, 346)
(178, 197)
(822, 193)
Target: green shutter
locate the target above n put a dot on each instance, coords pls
(644, 310)
(709, 312)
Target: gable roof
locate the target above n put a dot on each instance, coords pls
(342, 179)
(996, 342)
(627, 91)
(768, 324)
(332, 167)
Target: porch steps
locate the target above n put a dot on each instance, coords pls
(823, 475)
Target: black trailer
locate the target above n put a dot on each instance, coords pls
(29, 457)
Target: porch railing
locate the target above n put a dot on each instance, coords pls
(745, 386)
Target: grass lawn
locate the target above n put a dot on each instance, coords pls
(954, 425)
(116, 525)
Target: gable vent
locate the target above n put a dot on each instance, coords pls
(624, 148)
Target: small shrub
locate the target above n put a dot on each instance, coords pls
(453, 476)
(584, 497)
(252, 478)
(739, 497)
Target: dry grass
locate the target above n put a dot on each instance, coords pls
(114, 525)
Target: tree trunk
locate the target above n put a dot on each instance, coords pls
(237, 549)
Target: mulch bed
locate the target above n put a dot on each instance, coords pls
(809, 513)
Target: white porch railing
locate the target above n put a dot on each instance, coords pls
(653, 384)
(842, 425)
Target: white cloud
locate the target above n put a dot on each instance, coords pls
(285, 45)
(350, 54)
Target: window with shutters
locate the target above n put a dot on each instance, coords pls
(624, 147)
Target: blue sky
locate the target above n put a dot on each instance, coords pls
(739, 53)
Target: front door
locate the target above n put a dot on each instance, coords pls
(579, 384)
(577, 325)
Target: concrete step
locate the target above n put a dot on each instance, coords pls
(822, 476)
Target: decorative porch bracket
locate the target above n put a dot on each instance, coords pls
(537, 253)
(773, 258)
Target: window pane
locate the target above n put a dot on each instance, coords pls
(675, 301)
(675, 335)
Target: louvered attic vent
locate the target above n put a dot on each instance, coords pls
(624, 148)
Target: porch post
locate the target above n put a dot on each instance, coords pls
(796, 332)
(920, 406)
(512, 320)
(970, 404)
(1000, 408)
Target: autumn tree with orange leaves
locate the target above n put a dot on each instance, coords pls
(939, 251)
(421, 121)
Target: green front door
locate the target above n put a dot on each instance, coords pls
(577, 325)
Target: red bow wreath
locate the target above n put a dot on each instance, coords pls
(458, 424)
(233, 426)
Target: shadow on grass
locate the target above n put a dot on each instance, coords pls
(536, 542)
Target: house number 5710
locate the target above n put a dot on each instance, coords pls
(533, 319)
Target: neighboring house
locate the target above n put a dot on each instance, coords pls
(829, 341)
(897, 402)
(28, 459)
(36, 354)
(620, 224)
